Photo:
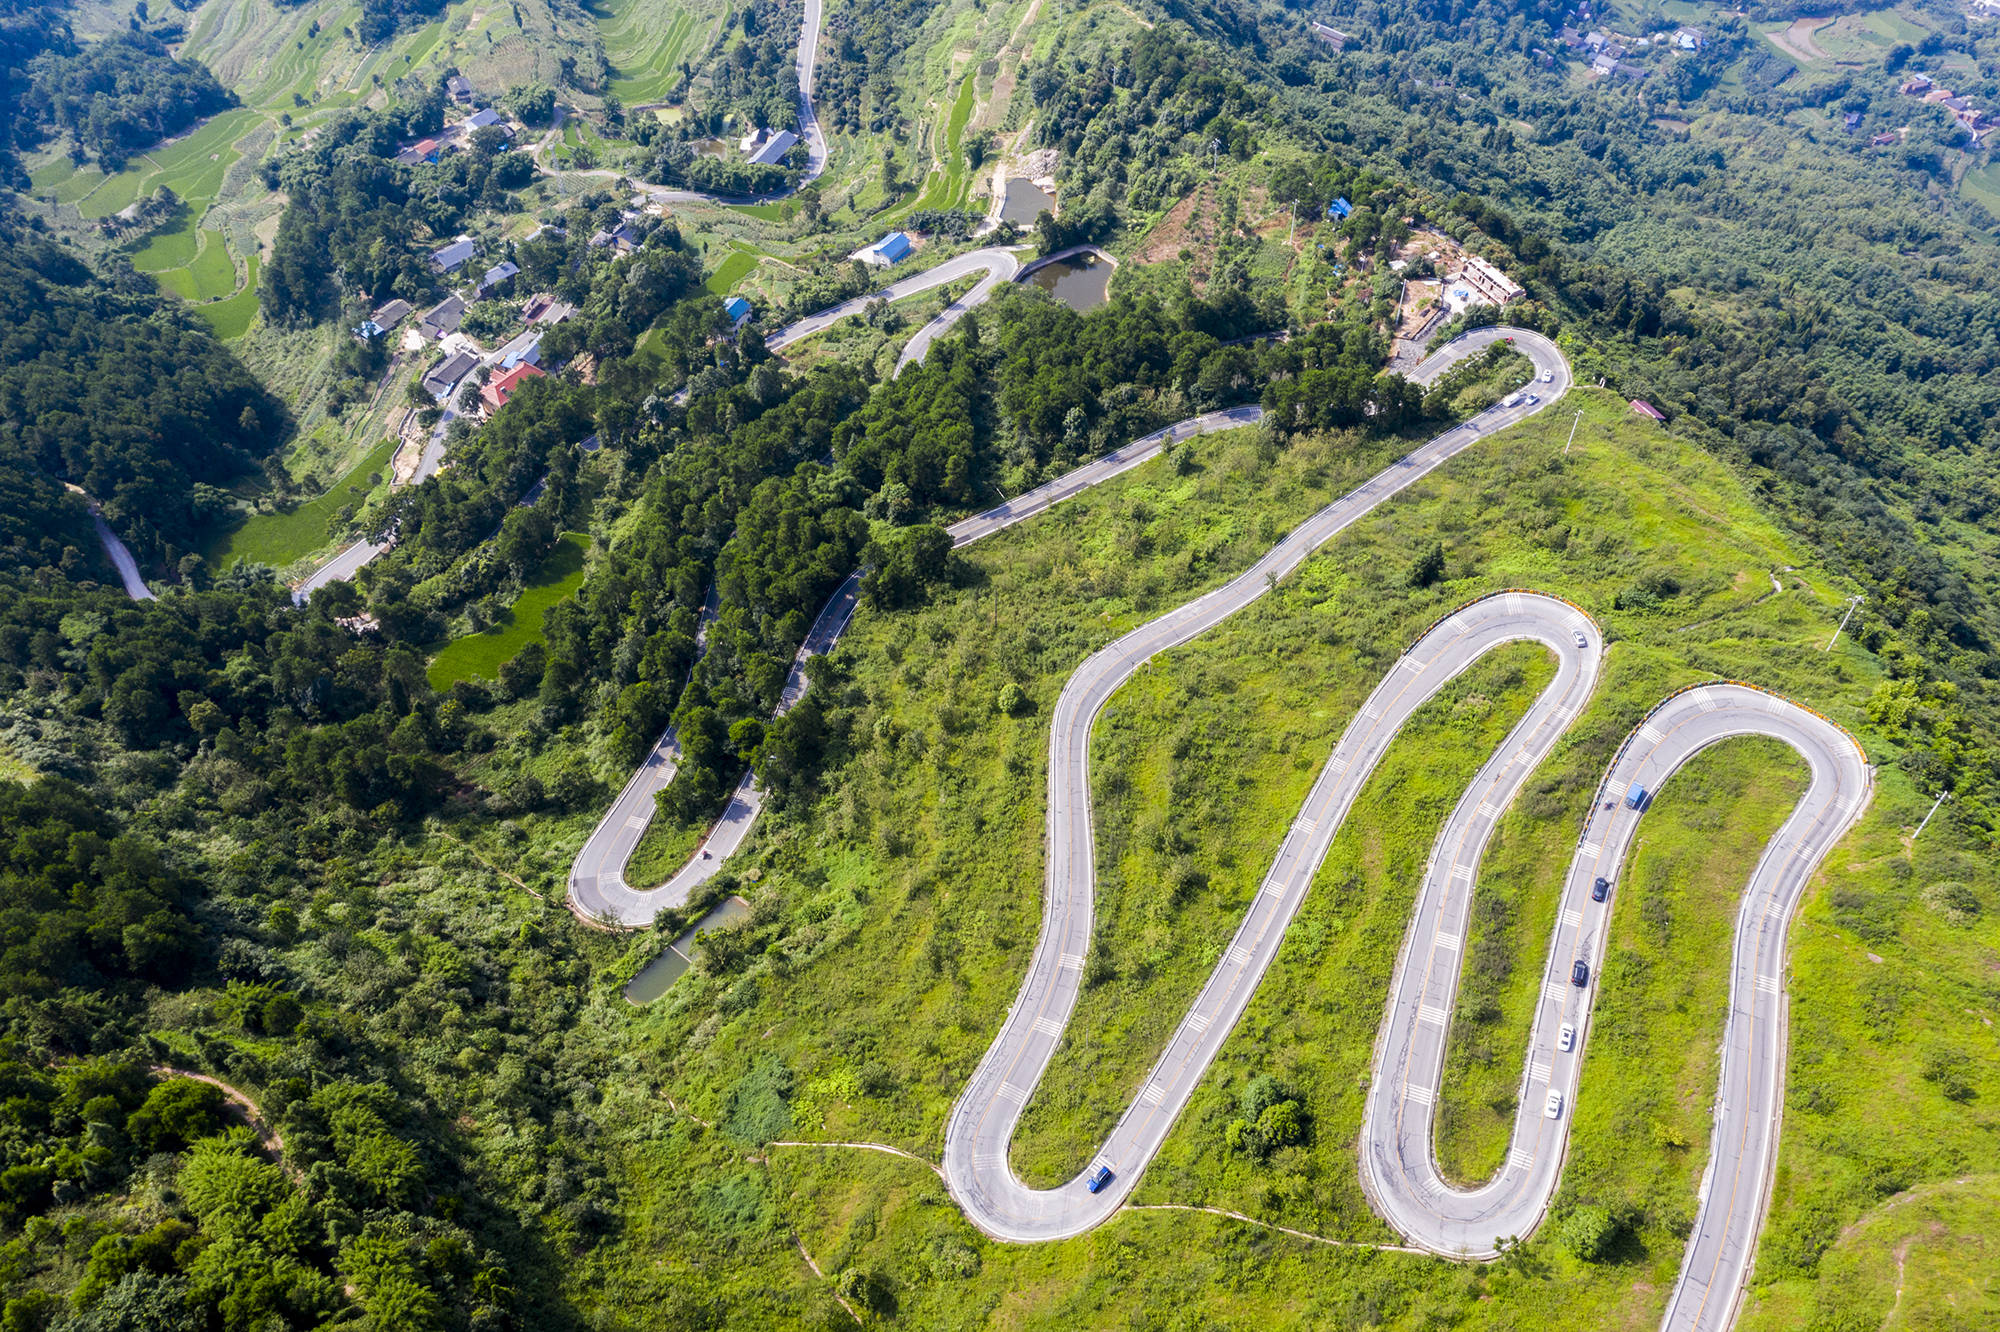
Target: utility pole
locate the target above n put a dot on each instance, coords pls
(1942, 797)
(1572, 433)
(1295, 225)
(1852, 602)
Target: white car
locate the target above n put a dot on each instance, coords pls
(1581, 641)
(1566, 1038)
(1532, 399)
(1548, 376)
(1553, 1107)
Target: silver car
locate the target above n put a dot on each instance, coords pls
(1553, 1107)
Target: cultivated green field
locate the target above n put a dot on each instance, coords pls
(736, 266)
(645, 42)
(281, 539)
(231, 318)
(482, 654)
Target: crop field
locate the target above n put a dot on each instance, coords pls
(231, 318)
(482, 654)
(212, 274)
(1866, 38)
(1982, 183)
(281, 539)
(645, 42)
(738, 265)
(192, 167)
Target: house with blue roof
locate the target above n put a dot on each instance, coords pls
(737, 309)
(886, 251)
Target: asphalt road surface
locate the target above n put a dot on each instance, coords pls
(597, 886)
(1397, 1166)
(997, 263)
(982, 1123)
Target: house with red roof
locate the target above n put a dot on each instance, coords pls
(501, 387)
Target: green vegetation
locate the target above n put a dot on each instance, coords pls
(1923, 1258)
(555, 579)
(284, 538)
(949, 187)
(119, 95)
(645, 42)
(231, 318)
(735, 266)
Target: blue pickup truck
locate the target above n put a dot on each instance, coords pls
(1636, 797)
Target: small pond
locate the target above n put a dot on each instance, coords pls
(669, 966)
(1024, 202)
(1081, 283)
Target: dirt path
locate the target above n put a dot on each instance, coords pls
(1797, 40)
(240, 1103)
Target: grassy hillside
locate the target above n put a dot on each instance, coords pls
(894, 921)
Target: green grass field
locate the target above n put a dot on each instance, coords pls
(1925, 1259)
(645, 42)
(482, 654)
(280, 539)
(211, 275)
(1982, 183)
(232, 318)
(949, 187)
(193, 167)
(736, 266)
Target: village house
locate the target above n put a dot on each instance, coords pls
(453, 255)
(445, 377)
(1333, 37)
(494, 276)
(443, 318)
(886, 251)
(459, 89)
(496, 392)
(1487, 283)
(769, 151)
(524, 349)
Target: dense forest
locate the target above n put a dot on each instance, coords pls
(110, 386)
(117, 96)
(855, 88)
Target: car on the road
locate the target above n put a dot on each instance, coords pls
(1581, 641)
(1580, 973)
(1553, 1107)
(1566, 1038)
(1098, 1178)
(1600, 890)
(1548, 376)
(1532, 399)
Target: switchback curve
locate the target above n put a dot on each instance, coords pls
(598, 891)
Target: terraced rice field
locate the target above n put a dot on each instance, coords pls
(231, 318)
(645, 41)
(950, 187)
(732, 270)
(191, 167)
